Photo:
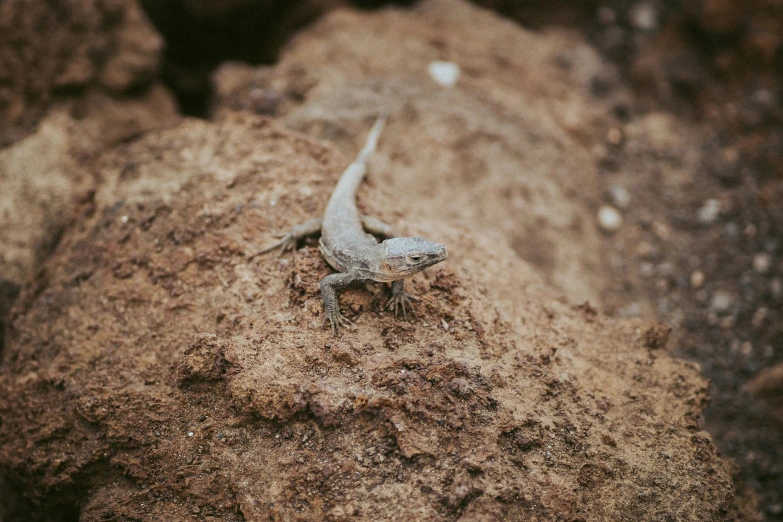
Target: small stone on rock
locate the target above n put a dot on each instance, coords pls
(661, 230)
(761, 263)
(709, 211)
(618, 196)
(609, 219)
(643, 16)
(614, 136)
(721, 301)
(444, 73)
(697, 279)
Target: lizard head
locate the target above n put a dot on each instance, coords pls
(404, 256)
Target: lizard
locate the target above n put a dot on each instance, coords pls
(349, 246)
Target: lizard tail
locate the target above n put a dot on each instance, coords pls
(372, 139)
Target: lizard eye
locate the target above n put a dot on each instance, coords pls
(415, 259)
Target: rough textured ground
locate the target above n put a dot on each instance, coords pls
(713, 59)
(507, 141)
(153, 372)
(50, 51)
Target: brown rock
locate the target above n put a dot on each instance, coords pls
(54, 50)
(112, 394)
(42, 182)
(511, 139)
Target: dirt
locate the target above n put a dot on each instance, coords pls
(173, 378)
(176, 379)
(53, 51)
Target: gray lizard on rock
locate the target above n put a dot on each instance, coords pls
(356, 254)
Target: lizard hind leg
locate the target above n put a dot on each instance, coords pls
(377, 227)
(289, 240)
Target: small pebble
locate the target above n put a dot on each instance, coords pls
(618, 196)
(721, 301)
(444, 73)
(776, 289)
(644, 249)
(761, 263)
(643, 16)
(709, 211)
(759, 316)
(662, 231)
(614, 136)
(609, 219)
(697, 279)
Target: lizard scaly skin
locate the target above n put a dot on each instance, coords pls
(356, 255)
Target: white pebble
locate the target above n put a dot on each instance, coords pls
(643, 16)
(697, 279)
(609, 219)
(619, 196)
(709, 211)
(761, 263)
(721, 301)
(444, 73)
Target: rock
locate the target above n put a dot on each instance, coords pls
(644, 16)
(761, 263)
(509, 162)
(42, 183)
(525, 407)
(51, 51)
(609, 218)
(709, 211)
(614, 137)
(201, 35)
(721, 301)
(444, 73)
(618, 196)
(697, 279)
(39, 183)
(137, 54)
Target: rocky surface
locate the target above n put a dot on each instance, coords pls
(507, 141)
(43, 179)
(157, 373)
(75, 77)
(50, 51)
(129, 404)
(201, 35)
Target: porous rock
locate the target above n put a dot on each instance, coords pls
(160, 373)
(506, 151)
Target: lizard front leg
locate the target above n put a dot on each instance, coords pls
(330, 285)
(400, 299)
(289, 241)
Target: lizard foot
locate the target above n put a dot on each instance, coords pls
(399, 301)
(336, 319)
(286, 243)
